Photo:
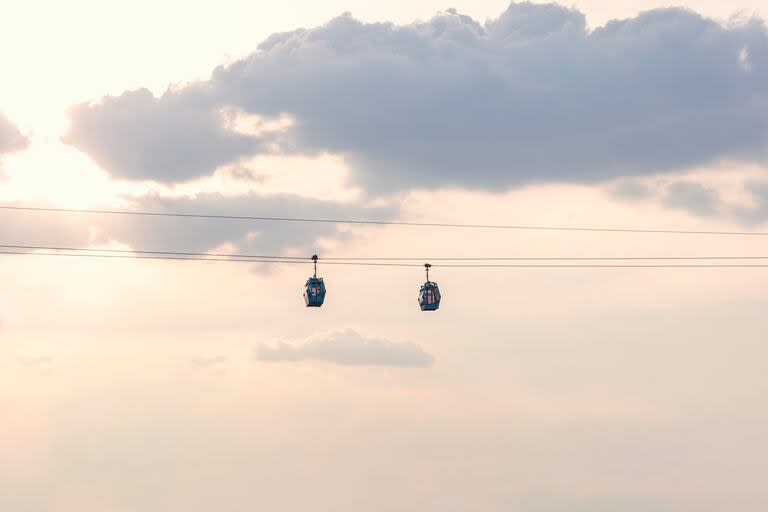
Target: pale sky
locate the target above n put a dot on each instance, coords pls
(132, 385)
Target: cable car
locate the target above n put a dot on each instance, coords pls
(314, 290)
(429, 294)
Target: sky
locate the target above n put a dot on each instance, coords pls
(131, 385)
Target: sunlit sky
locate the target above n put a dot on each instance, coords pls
(131, 385)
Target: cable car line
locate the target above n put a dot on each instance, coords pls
(140, 257)
(340, 259)
(172, 253)
(195, 258)
(375, 264)
(385, 223)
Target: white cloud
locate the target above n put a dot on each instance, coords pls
(347, 348)
(11, 139)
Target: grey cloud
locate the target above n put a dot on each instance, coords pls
(530, 96)
(204, 234)
(700, 199)
(245, 174)
(11, 139)
(631, 190)
(25, 228)
(172, 138)
(525, 22)
(758, 213)
(348, 348)
(693, 198)
(191, 234)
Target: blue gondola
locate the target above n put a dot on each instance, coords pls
(429, 294)
(314, 291)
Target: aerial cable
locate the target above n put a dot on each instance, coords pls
(378, 264)
(385, 223)
(137, 251)
(195, 258)
(342, 259)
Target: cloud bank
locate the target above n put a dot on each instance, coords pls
(347, 348)
(159, 233)
(11, 139)
(700, 197)
(530, 96)
(693, 198)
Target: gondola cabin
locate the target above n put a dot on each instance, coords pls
(429, 294)
(314, 292)
(429, 297)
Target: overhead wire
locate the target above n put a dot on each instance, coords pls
(374, 264)
(330, 259)
(382, 222)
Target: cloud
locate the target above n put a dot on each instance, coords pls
(172, 138)
(530, 96)
(757, 213)
(347, 348)
(205, 234)
(631, 190)
(11, 139)
(195, 235)
(693, 198)
(743, 201)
